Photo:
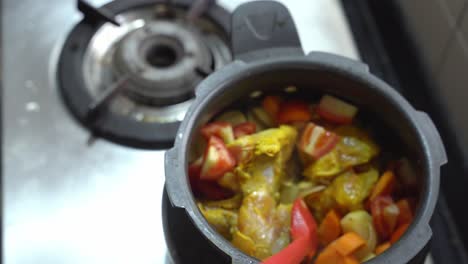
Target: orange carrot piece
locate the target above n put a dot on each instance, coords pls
(330, 228)
(293, 111)
(382, 247)
(399, 232)
(271, 104)
(384, 185)
(406, 214)
(350, 260)
(329, 256)
(348, 243)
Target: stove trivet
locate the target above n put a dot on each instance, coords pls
(127, 71)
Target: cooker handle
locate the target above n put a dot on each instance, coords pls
(263, 29)
(435, 141)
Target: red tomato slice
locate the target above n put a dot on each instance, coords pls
(222, 130)
(194, 170)
(217, 160)
(243, 129)
(212, 191)
(385, 215)
(293, 111)
(316, 141)
(406, 214)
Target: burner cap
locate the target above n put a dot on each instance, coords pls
(161, 58)
(142, 73)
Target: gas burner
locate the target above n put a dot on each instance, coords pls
(130, 77)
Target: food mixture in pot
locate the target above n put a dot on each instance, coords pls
(293, 181)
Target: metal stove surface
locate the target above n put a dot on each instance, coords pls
(65, 201)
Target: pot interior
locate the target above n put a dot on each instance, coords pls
(379, 108)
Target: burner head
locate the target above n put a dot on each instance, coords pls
(156, 58)
(161, 59)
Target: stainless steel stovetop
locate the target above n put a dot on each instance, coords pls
(69, 202)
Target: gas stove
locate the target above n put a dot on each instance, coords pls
(92, 97)
(131, 79)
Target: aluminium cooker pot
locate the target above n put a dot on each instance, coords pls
(269, 57)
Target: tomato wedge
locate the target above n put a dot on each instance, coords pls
(385, 215)
(335, 110)
(217, 160)
(222, 130)
(243, 129)
(316, 141)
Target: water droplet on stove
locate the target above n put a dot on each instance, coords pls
(139, 116)
(32, 107)
(30, 85)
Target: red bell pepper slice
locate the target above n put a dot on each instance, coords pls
(304, 235)
(243, 129)
(222, 130)
(294, 253)
(293, 111)
(316, 141)
(385, 215)
(217, 160)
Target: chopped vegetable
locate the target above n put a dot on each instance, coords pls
(382, 247)
(222, 130)
(243, 129)
(406, 173)
(303, 223)
(304, 235)
(294, 253)
(316, 141)
(233, 117)
(348, 243)
(341, 250)
(194, 168)
(212, 191)
(330, 228)
(360, 222)
(229, 181)
(351, 189)
(258, 115)
(406, 214)
(335, 110)
(217, 160)
(354, 148)
(276, 196)
(221, 219)
(384, 186)
(385, 215)
(272, 104)
(230, 203)
(293, 111)
(399, 232)
(329, 256)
